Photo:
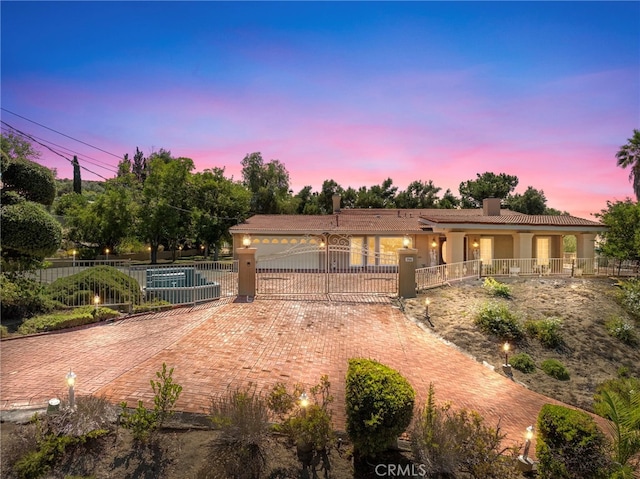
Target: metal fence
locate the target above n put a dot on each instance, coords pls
(433, 276)
(83, 283)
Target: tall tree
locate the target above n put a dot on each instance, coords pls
(622, 239)
(486, 185)
(325, 197)
(531, 202)
(418, 195)
(448, 201)
(629, 156)
(268, 183)
(77, 180)
(218, 204)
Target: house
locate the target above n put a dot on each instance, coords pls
(370, 238)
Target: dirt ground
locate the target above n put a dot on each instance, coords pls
(590, 354)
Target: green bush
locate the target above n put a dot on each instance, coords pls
(379, 404)
(622, 330)
(496, 288)
(570, 445)
(630, 296)
(523, 363)
(622, 387)
(555, 369)
(66, 319)
(496, 319)
(142, 422)
(449, 442)
(29, 231)
(112, 285)
(22, 298)
(546, 330)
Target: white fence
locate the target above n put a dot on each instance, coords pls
(433, 276)
(176, 283)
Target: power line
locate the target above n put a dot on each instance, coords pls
(49, 148)
(59, 133)
(80, 155)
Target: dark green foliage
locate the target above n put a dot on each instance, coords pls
(67, 319)
(522, 362)
(621, 386)
(458, 443)
(77, 180)
(496, 319)
(32, 181)
(531, 202)
(622, 237)
(555, 369)
(546, 330)
(496, 288)
(29, 230)
(143, 422)
(379, 403)
(22, 298)
(112, 285)
(569, 445)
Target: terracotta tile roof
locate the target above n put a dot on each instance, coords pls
(328, 223)
(398, 221)
(512, 218)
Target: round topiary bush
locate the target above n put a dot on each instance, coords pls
(379, 404)
(555, 369)
(523, 363)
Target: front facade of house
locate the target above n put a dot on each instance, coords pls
(370, 238)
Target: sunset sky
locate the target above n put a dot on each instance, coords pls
(355, 92)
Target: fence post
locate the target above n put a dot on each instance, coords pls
(246, 271)
(573, 264)
(407, 258)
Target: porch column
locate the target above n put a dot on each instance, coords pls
(455, 247)
(407, 259)
(523, 249)
(585, 249)
(246, 271)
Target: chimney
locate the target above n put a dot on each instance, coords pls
(491, 207)
(336, 203)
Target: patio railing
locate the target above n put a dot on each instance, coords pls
(433, 276)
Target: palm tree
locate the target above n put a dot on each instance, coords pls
(629, 155)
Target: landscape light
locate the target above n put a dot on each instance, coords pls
(304, 400)
(427, 316)
(71, 382)
(505, 348)
(525, 463)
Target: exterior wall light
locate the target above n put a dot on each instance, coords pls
(434, 244)
(475, 244)
(246, 241)
(71, 382)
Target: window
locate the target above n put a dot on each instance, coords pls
(356, 246)
(486, 250)
(543, 251)
(389, 250)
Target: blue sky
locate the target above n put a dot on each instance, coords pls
(355, 92)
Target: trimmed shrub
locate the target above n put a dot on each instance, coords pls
(555, 369)
(495, 288)
(112, 285)
(379, 403)
(66, 319)
(546, 330)
(523, 363)
(22, 298)
(570, 445)
(622, 330)
(28, 230)
(496, 319)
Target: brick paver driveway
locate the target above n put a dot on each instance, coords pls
(239, 344)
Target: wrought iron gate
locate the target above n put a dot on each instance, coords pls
(337, 266)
